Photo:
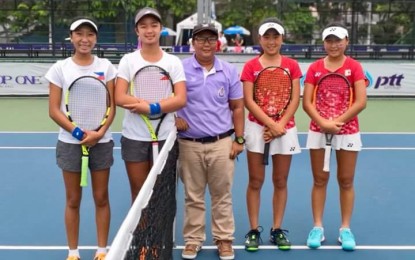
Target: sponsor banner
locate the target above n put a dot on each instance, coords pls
(23, 78)
(390, 79)
(385, 78)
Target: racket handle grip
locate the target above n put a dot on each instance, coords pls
(155, 149)
(84, 171)
(266, 154)
(327, 152)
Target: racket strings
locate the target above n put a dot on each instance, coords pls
(273, 91)
(152, 85)
(333, 96)
(88, 102)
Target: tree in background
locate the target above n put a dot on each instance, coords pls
(300, 23)
(396, 20)
(393, 19)
(249, 13)
(46, 16)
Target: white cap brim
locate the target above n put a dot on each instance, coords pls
(337, 31)
(266, 26)
(77, 23)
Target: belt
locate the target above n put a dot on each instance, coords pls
(210, 139)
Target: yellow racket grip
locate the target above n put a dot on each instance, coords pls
(84, 171)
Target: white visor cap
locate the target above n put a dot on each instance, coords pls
(77, 23)
(266, 26)
(337, 31)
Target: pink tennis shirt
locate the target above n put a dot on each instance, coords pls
(253, 67)
(353, 71)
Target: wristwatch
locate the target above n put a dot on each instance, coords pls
(239, 139)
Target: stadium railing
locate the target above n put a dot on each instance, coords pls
(116, 50)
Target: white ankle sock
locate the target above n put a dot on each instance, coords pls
(73, 252)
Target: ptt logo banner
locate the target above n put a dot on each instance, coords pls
(394, 81)
(384, 78)
(390, 79)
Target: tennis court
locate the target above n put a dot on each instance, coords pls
(32, 192)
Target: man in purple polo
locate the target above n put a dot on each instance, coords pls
(214, 111)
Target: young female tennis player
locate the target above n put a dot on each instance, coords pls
(136, 145)
(261, 129)
(346, 141)
(83, 34)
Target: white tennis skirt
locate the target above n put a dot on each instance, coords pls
(286, 144)
(351, 142)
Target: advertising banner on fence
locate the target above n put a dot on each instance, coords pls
(23, 78)
(386, 78)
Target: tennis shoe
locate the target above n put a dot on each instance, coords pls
(225, 249)
(279, 237)
(190, 251)
(73, 257)
(346, 238)
(100, 256)
(315, 237)
(253, 239)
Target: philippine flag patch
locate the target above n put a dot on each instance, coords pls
(100, 75)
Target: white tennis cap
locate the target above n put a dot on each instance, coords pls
(79, 22)
(337, 31)
(266, 26)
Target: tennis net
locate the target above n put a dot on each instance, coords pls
(147, 231)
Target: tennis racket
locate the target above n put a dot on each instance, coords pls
(272, 93)
(332, 97)
(88, 105)
(153, 84)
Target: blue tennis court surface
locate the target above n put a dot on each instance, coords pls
(32, 203)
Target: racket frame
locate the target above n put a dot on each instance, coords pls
(276, 116)
(328, 136)
(84, 148)
(146, 118)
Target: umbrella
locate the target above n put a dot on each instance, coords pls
(236, 30)
(168, 32)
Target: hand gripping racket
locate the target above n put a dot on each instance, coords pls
(332, 97)
(88, 105)
(272, 93)
(153, 84)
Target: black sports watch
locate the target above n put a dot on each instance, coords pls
(239, 139)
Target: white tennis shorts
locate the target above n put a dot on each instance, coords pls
(352, 142)
(286, 144)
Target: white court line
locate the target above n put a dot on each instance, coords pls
(298, 247)
(387, 148)
(26, 148)
(238, 247)
(35, 148)
(373, 247)
(3, 247)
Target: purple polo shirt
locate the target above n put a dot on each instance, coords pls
(207, 111)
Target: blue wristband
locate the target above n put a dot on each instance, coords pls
(155, 108)
(78, 133)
